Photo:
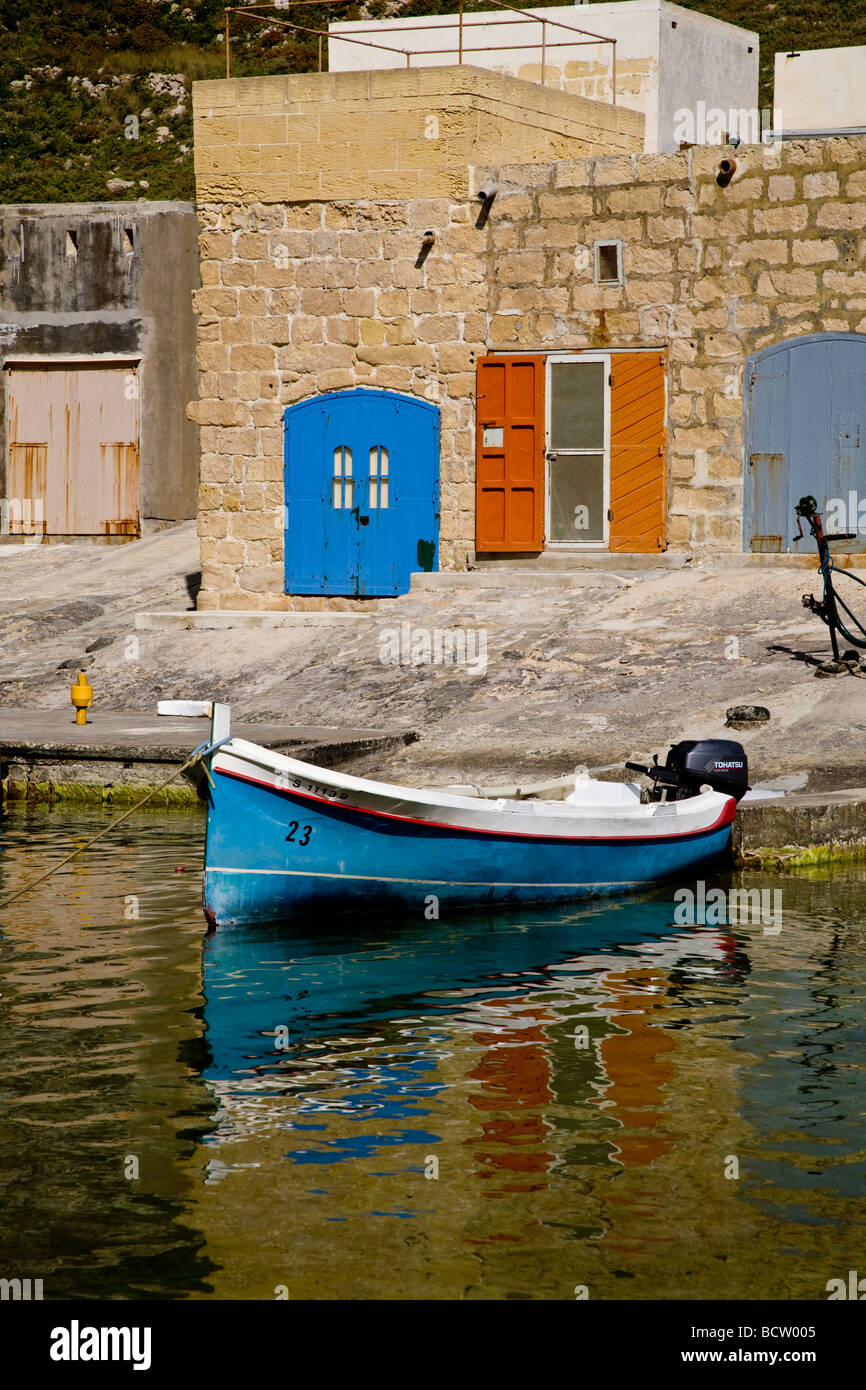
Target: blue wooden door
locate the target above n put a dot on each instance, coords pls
(362, 492)
(805, 433)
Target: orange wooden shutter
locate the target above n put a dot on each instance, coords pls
(509, 513)
(638, 452)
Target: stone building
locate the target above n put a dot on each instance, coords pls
(97, 352)
(653, 57)
(820, 91)
(613, 350)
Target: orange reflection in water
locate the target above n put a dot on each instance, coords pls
(633, 1064)
(515, 1076)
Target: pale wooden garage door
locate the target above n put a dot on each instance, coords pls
(73, 445)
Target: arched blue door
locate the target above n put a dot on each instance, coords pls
(805, 433)
(362, 492)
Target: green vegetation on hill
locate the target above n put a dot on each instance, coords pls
(95, 102)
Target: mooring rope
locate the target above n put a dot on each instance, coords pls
(203, 751)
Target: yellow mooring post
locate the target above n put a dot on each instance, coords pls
(82, 694)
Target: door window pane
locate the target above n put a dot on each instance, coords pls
(577, 405)
(383, 484)
(577, 497)
(378, 477)
(342, 486)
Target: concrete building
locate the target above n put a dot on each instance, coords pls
(666, 62)
(97, 352)
(822, 91)
(416, 352)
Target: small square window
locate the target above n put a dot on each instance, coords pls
(608, 262)
(72, 243)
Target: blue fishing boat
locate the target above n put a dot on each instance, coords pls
(285, 837)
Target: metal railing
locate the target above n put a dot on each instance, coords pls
(587, 37)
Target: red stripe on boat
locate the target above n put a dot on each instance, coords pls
(725, 817)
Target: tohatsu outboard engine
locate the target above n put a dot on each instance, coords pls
(716, 762)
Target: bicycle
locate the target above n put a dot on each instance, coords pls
(828, 608)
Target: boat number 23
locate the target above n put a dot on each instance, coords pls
(306, 832)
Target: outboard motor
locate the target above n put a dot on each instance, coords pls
(716, 762)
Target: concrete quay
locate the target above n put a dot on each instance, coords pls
(586, 667)
(114, 759)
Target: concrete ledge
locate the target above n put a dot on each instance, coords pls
(93, 783)
(222, 619)
(45, 756)
(801, 829)
(771, 560)
(524, 578)
(155, 738)
(574, 561)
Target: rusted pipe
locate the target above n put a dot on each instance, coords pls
(727, 169)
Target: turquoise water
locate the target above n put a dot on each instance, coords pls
(520, 1105)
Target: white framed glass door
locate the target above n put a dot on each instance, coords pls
(578, 449)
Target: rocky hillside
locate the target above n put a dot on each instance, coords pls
(95, 100)
(94, 107)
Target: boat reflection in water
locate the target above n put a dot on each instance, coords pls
(319, 985)
(500, 1053)
(527, 1102)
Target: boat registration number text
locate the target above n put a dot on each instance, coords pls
(286, 783)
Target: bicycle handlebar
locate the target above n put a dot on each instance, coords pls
(807, 510)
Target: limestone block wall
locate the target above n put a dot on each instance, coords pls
(314, 193)
(711, 273)
(309, 297)
(400, 134)
(302, 295)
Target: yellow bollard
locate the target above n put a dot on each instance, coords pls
(82, 694)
